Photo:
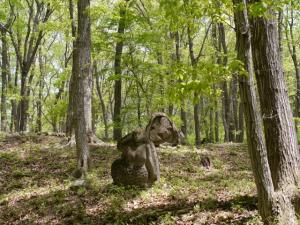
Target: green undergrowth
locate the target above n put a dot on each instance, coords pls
(35, 181)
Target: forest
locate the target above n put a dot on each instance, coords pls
(150, 112)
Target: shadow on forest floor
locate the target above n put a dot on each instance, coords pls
(35, 180)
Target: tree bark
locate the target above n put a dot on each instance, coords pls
(82, 64)
(197, 122)
(102, 103)
(5, 71)
(226, 101)
(281, 142)
(40, 94)
(117, 129)
(211, 125)
(234, 119)
(240, 134)
(71, 115)
(255, 137)
(277, 116)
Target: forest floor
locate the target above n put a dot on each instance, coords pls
(35, 179)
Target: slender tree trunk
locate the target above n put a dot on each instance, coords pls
(240, 134)
(40, 94)
(218, 60)
(226, 101)
(102, 103)
(22, 107)
(14, 104)
(117, 130)
(5, 71)
(197, 105)
(197, 123)
(289, 31)
(211, 125)
(161, 80)
(182, 107)
(234, 100)
(71, 116)
(82, 64)
(216, 116)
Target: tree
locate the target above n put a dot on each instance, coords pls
(255, 138)
(292, 47)
(276, 175)
(117, 132)
(5, 72)
(38, 13)
(83, 86)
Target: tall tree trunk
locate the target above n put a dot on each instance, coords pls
(217, 60)
(82, 64)
(14, 104)
(289, 31)
(226, 101)
(255, 137)
(216, 116)
(40, 94)
(161, 82)
(197, 122)
(102, 103)
(182, 107)
(197, 104)
(5, 71)
(281, 141)
(234, 122)
(71, 116)
(240, 134)
(211, 125)
(22, 113)
(117, 130)
(38, 13)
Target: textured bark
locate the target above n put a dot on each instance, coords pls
(4, 75)
(117, 129)
(71, 117)
(255, 138)
(161, 81)
(281, 142)
(82, 64)
(278, 121)
(40, 94)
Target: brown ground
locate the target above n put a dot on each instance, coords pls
(35, 187)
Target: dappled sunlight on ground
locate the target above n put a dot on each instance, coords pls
(35, 180)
